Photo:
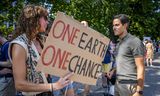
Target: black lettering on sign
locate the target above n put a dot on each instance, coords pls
(92, 45)
(84, 67)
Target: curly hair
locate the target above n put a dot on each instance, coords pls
(28, 21)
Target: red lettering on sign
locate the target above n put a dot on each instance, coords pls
(44, 54)
(60, 32)
(66, 60)
(58, 57)
(65, 32)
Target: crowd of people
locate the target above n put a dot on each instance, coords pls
(22, 52)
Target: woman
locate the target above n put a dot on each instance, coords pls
(24, 54)
(149, 53)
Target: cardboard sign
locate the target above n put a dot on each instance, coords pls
(72, 47)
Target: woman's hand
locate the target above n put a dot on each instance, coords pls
(62, 82)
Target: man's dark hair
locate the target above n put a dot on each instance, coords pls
(123, 18)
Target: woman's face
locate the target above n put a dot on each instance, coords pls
(43, 24)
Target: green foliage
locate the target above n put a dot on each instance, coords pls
(144, 14)
(99, 14)
(9, 10)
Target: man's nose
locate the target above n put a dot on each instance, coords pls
(114, 28)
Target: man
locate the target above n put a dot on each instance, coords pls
(86, 87)
(129, 60)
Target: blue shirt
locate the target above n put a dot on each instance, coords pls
(107, 58)
(4, 52)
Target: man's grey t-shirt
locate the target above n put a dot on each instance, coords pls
(127, 50)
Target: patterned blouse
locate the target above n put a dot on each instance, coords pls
(32, 59)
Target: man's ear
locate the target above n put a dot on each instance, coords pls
(125, 26)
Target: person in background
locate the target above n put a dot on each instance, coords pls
(145, 42)
(108, 68)
(130, 52)
(24, 54)
(6, 77)
(159, 47)
(112, 70)
(86, 87)
(149, 53)
(2, 39)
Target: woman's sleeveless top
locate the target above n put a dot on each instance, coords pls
(32, 59)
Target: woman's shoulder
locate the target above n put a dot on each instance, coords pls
(21, 40)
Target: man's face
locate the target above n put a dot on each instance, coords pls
(118, 28)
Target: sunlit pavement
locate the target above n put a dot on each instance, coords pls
(152, 82)
(97, 90)
(152, 78)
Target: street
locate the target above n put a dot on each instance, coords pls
(152, 81)
(152, 78)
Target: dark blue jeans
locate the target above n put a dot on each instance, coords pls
(7, 87)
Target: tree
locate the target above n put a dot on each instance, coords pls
(144, 14)
(8, 15)
(99, 13)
